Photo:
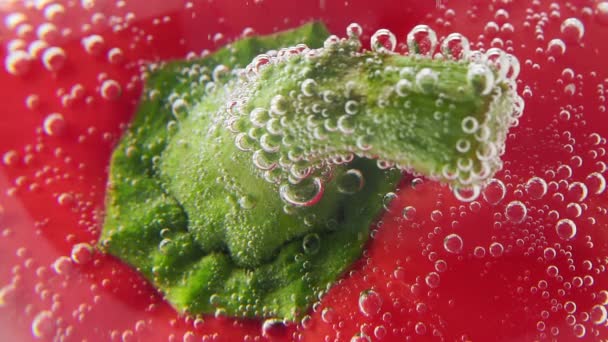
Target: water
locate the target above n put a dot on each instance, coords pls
(531, 246)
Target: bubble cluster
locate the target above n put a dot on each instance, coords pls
(300, 131)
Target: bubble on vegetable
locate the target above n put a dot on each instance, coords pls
(54, 124)
(306, 194)
(455, 46)
(370, 303)
(82, 253)
(354, 30)
(572, 29)
(17, 62)
(494, 191)
(110, 90)
(453, 244)
(516, 212)
(352, 181)
(565, 229)
(421, 40)
(43, 324)
(536, 187)
(54, 58)
(93, 44)
(383, 41)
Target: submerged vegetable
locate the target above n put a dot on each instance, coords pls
(249, 191)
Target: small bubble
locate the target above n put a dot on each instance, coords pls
(601, 12)
(596, 183)
(115, 55)
(453, 244)
(82, 253)
(421, 40)
(516, 211)
(352, 181)
(496, 249)
(93, 44)
(54, 58)
(420, 328)
(17, 62)
(179, 108)
(556, 47)
(43, 325)
(455, 46)
(274, 327)
(426, 80)
(577, 191)
(307, 193)
(388, 198)
(62, 265)
(308, 87)
(536, 187)
(432, 280)
(110, 90)
(409, 213)
(311, 243)
(481, 78)
(566, 229)
(370, 303)
(494, 192)
(278, 105)
(354, 30)
(598, 314)
(549, 253)
(383, 41)
(572, 29)
(54, 124)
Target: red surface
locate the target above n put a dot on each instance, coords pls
(479, 299)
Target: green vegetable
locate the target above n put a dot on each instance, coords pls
(249, 193)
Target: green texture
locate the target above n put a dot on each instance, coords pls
(215, 233)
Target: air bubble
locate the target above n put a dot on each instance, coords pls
(308, 87)
(82, 253)
(54, 58)
(354, 30)
(43, 325)
(494, 191)
(311, 243)
(409, 213)
(565, 229)
(278, 105)
(596, 183)
(516, 212)
(455, 46)
(421, 40)
(572, 29)
(453, 244)
(352, 181)
(383, 41)
(370, 303)
(403, 87)
(115, 55)
(556, 47)
(496, 249)
(481, 78)
(536, 187)
(110, 90)
(388, 198)
(17, 62)
(307, 193)
(54, 124)
(179, 108)
(93, 44)
(426, 80)
(467, 194)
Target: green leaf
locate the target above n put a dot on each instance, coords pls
(249, 193)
